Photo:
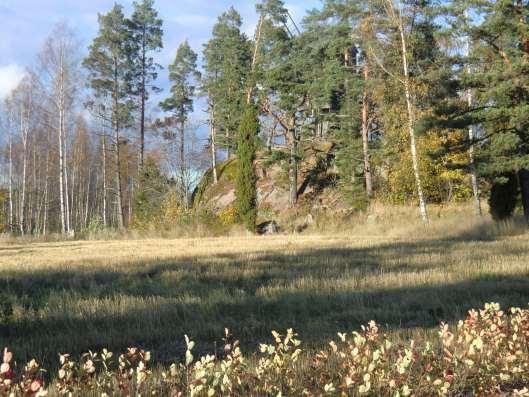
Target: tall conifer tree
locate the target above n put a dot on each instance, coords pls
(109, 67)
(146, 38)
(227, 57)
(184, 77)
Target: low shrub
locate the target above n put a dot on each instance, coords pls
(487, 354)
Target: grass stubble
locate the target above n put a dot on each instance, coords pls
(77, 296)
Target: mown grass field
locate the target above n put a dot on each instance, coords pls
(81, 295)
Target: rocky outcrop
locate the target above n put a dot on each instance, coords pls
(316, 188)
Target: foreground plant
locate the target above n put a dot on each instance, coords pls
(485, 355)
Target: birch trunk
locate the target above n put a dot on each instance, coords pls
(87, 200)
(62, 198)
(46, 194)
(24, 121)
(365, 136)
(67, 192)
(411, 113)
(473, 175)
(471, 135)
(11, 219)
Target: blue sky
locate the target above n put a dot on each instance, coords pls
(24, 25)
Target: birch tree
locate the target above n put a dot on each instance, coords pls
(392, 23)
(59, 65)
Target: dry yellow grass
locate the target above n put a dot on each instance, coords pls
(80, 295)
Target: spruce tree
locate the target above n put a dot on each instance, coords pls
(246, 179)
(227, 57)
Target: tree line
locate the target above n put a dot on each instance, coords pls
(420, 102)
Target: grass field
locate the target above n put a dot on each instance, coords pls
(80, 295)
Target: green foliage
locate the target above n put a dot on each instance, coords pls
(228, 216)
(109, 64)
(145, 37)
(493, 72)
(350, 167)
(151, 195)
(503, 197)
(245, 184)
(227, 57)
(184, 75)
(275, 157)
(3, 211)
(226, 171)
(95, 227)
(6, 308)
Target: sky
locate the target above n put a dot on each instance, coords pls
(25, 24)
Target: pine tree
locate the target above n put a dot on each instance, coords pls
(282, 78)
(184, 76)
(495, 70)
(145, 37)
(340, 92)
(109, 67)
(246, 179)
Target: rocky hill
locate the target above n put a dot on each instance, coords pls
(317, 190)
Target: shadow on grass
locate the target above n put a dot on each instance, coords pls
(154, 304)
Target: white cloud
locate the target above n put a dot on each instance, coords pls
(10, 76)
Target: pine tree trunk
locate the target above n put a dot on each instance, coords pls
(213, 136)
(258, 34)
(143, 97)
(185, 193)
(117, 158)
(293, 167)
(119, 191)
(105, 194)
(365, 137)
(142, 123)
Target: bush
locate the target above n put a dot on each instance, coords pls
(486, 354)
(228, 216)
